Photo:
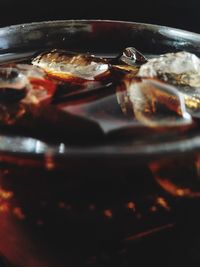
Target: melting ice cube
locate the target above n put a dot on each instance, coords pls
(154, 103)
(66, 65)
(180, 68)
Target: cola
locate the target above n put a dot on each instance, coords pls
(50, 215)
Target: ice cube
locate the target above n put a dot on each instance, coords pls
(154, 103)
(182, 68)
(65, 65)
(131, 57)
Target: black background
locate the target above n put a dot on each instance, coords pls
(175, 13)
(176, 249)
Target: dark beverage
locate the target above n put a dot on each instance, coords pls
(86, 170)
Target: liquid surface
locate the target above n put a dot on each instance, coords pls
(109, 103)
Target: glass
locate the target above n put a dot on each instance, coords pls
(61, 196)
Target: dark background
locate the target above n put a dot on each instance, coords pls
(177, 13)
(180, 247)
